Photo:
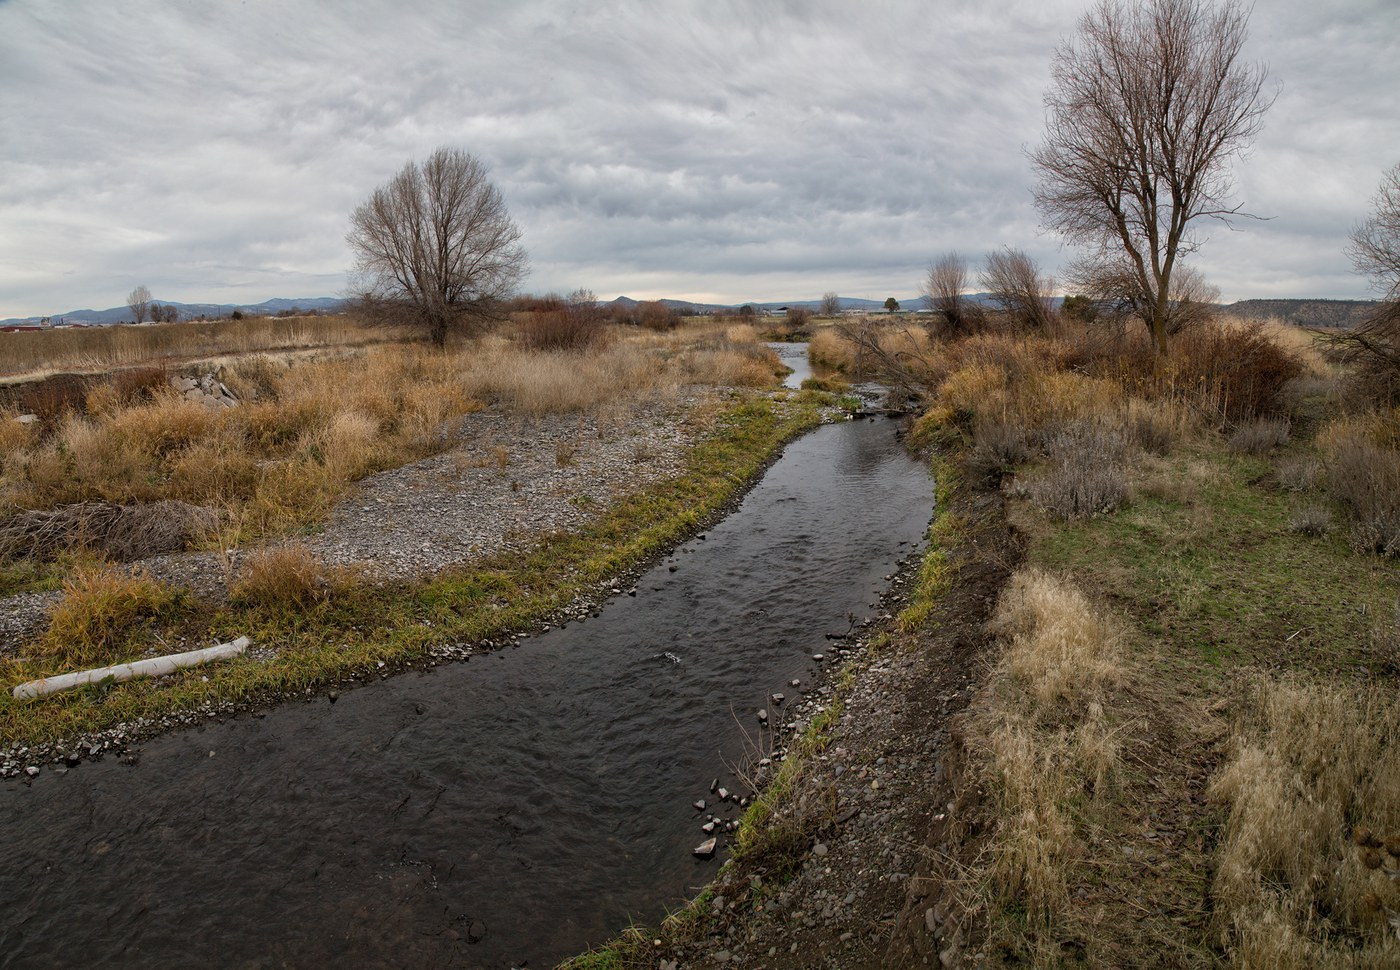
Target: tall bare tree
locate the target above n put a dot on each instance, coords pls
(1148, 104)
(943, 291)
(436, 247)
(831, 304)
(140, 302)
(1374, 346)
(1013, 282)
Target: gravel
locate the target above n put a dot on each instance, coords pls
(504, 481)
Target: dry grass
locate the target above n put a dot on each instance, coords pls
(104, 348)
(1047, 743)
(1304, 870)
(1259, 436)
(305, 430)
(288, 577)
(100, 605)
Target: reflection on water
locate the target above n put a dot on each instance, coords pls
(514, 809)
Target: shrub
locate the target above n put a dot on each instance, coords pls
(1311, 520)
(1365, 479)
(1234, 372)
(100, 605)
(1298, 474)
(1259, 436)
(998, 446)
(1085, 476)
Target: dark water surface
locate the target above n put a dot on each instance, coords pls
(503, 812)
(793, 355)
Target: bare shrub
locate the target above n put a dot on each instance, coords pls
(998, 446)
(1311, 519)
(1013, 281)
(1365, 479)
(287, 577)
(100, 606)
(1085, 476)
(1259, 436)
(1312, 792)
(572, 324)
(944, 292)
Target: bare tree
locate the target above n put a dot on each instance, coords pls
(436, 247)
(943, 291)
(1373, 347)
(1148, 104)
(1013, 282)
(1110, 285)
(140, 302)
(831, 304)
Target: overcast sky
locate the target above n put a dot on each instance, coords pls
(716, 151)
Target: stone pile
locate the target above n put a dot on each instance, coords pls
(206, 389)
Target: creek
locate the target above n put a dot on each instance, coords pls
(505, 812)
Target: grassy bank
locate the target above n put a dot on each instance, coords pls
(308, 642)
(1186, 750)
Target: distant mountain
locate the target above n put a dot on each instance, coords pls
(847, 303)
(1305, 313)
(188, 311)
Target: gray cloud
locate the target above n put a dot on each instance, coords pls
(715, 150)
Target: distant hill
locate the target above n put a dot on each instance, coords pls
(188, 311)
(847, 303)
(1305, 313)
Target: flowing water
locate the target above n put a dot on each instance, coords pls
(499, 813)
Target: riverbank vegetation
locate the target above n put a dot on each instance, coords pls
(299, 437)
(1187, 742)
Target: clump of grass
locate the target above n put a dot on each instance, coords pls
(1297, 474)
(1061, 651)
(1046, 742)
(101, 604)
(1085, 476)
(1312, 792)
(1259, 436)
(287, 576)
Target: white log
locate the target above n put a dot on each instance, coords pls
(155, 667)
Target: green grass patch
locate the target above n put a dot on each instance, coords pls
(1215, 571)
(935, 573)
(352, 634)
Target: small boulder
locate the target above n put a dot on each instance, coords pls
(705, 849)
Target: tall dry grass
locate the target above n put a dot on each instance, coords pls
(1046, 743)
(103, 348)
(1307, 868)
(304, 431)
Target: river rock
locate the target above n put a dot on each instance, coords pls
(699, 804)
(762, 715)
(708, 827)
(777, 699)
(723, 794)
(705, 849)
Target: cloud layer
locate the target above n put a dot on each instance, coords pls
(712, 150)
